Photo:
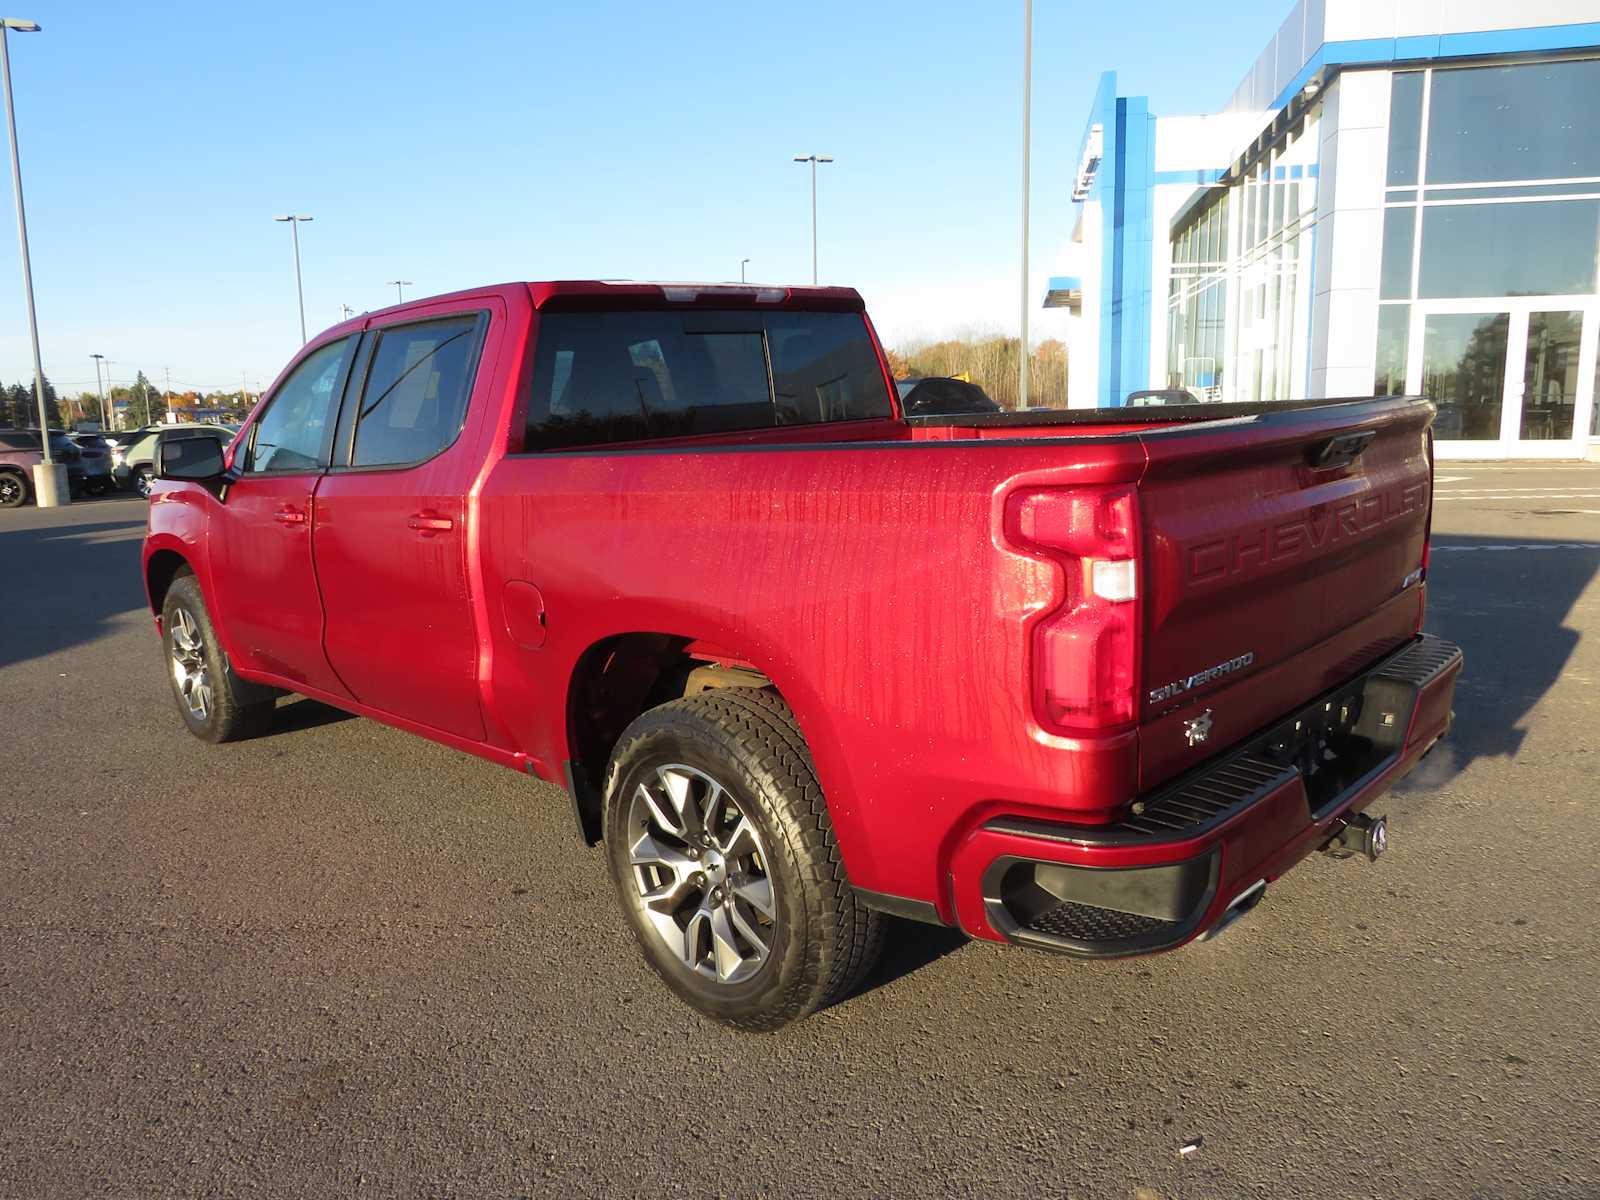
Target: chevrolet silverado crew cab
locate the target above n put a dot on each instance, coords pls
(1081, 681)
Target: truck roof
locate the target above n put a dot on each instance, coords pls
(601, 293)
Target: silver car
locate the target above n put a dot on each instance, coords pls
(134, 464)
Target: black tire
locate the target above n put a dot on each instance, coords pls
(821, 941)
(14, 490)
(233, 708)
(141, 480)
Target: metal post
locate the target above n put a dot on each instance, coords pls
(1027, 105)
(813, 220)
(299, 288)
(22, 238)
(105, 422)
(742, 263)
(813, 159)
(398, 285)
(167, 395)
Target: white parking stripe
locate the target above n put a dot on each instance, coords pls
(1438, 548)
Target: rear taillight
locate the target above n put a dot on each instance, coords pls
(1085, 651)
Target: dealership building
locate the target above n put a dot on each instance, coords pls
(1401, 196)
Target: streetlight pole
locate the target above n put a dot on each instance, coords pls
(105, 422)
(299, 290)
(49, 477)
(397, 285)
(742, 263)
(1027, 114)
(813, 159)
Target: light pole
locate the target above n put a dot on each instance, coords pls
(105, 423)
(742, 263)
(49, 477)
(299, 290)
(813, 159)
(1027, 104)
(346, 312)
(397, 285)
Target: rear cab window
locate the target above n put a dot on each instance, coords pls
(602, 378)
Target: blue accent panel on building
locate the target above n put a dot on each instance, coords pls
(1334, 55)
(1064, 283)
(1137, 234)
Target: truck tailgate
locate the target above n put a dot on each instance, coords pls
(1282, 554)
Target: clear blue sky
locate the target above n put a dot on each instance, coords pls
(461, 144)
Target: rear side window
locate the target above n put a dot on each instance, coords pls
(290, 435)
(627, 376)
(415, 397)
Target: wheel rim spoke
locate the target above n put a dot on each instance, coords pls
(189, 668)
(752, 932)
(699, 870)
(725, 953)
(756, 891)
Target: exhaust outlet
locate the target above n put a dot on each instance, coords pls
(1241, 904)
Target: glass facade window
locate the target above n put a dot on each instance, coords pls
(1463, 370)
(1399, 240)
(1238, 308)
(1493, 192)
(1550, 375)
(1534, 249)
(1529, 121)
(1405, 127)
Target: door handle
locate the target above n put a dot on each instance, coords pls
(289, 516)
(430, 523)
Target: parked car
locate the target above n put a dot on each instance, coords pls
(1160, 397)
(1081, 681)
(135, 466)
(20, 449)
(937, 396)
(96, 459)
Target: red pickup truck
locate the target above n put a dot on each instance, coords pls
(1081, 681)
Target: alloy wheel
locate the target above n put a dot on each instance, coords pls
(10, 490)
(701, 872)
(190, 671)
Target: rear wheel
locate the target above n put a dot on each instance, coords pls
(215, 704)
(13, 490)
(726, 863)
(141, 480)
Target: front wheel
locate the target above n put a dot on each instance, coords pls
(727, 866)
(215, 704)
(141, 481)
(13, 490)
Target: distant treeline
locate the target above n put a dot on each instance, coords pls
(991, 363)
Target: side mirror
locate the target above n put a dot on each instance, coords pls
(196, 459)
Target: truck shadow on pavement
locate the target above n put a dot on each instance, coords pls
(65, 583)
(1505, 602)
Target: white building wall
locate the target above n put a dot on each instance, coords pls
(1083, 335)
(1349, 234)
(1314, 22)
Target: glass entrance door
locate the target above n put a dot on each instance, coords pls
(1511, 378)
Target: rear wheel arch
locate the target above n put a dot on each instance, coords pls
(622, 676)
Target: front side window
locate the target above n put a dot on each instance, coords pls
(629, 376)
(415, 397)
(292, 432)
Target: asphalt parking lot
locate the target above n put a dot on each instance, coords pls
(340, 960)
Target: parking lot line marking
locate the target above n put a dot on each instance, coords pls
(1595, 546)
